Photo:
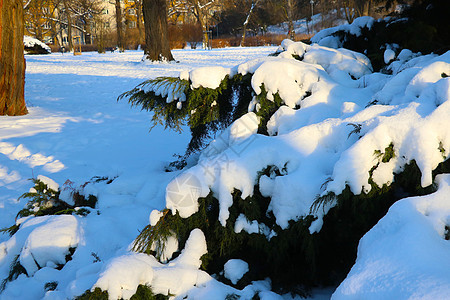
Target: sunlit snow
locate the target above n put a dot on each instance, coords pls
(336, 114)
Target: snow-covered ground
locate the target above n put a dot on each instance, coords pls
(77, 130)
(305, 26)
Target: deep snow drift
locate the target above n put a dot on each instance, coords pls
(348, 114)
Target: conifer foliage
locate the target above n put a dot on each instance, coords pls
(175, 104)
(294, 252)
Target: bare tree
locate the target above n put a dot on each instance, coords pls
(119, 26)
(155, 21)
(40, 18)
(51, 17)
(286, 11)
(12, 61)
(289, 8)
(138, 8)
(244, 29)
(202, 11)
(85, 12)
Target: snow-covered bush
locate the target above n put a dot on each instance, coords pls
(46, 198)
(50, 211)
(34, 46)
(420, 28)
(319, 149)
(388, 264)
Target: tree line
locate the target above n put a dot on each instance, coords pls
(193, 20)
(41, 17)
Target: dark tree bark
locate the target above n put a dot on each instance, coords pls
(119, 26)
(12, 61)
(156, 37)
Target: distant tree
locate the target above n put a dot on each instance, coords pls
(40, 17)
(247, 19)
(12, 61)
(156, 37)
(68, 22)
(119, 26)
(138, 7)
(201, 9)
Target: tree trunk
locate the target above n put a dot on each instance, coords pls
(156, 37)
(119, 26)
(138, 21)
(205, 35)
(244, 29)
(363, 7)
(290, 15)
(12, 61)
(69, 25)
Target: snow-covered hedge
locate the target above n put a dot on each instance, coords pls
(323, 139)
(34, 46)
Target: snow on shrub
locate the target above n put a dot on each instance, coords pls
(34, 247)
(124, 274)
(319, 143)
(34, 46)
(234, 269)
(327, 38)
(39, 251)
(313, 127)
(407, 254)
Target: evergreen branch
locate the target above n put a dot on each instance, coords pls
(321, 201)
(153, 234)
(356, 129)
(14, 271)
(10, 230)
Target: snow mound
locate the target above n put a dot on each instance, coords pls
(283, 77)
(40, 251)
(124, 274)
(325, 37)
(34, 247)
(332, 60)
(234, 269)
(336, 139)
(35, 46)
(405, 256)
(208, 77)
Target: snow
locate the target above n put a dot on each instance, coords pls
(76, 130)
(40, 251)
(325, 37)
(29, 41)
(336, 101)
(208, 77)
(155, 216)
(303, 26)
(281, 77)
(123, 274)
(405, 256)
(336, 116)
(234, 269)
(51, 184)
(389, 55)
